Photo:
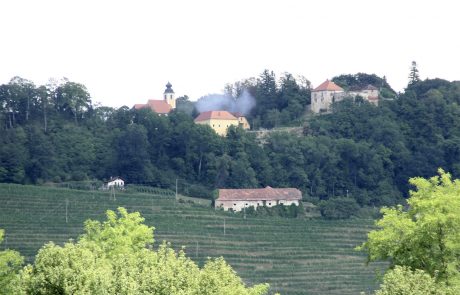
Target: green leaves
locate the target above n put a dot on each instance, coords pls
(426, 236)
(10, 263)
(116, 257)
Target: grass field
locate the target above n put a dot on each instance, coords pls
(296, 256)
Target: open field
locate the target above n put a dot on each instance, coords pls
(295, 256)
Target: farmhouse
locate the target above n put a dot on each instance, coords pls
(323, 96)
(161, 107)
(115, 182)
(237, 199)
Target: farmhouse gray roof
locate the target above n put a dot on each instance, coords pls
(259, 194)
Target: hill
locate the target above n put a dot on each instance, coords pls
(295, 256)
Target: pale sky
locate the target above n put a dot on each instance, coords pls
(126, 51)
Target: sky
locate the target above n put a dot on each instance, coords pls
(125, 52)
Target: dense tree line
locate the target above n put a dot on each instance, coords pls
(53, 133)
(279, 102)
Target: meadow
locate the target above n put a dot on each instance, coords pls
(295, 256)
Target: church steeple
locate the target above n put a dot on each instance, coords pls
(169, 96)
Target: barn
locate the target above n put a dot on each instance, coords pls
(237, 199)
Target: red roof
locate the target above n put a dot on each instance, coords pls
(218, 115)
(328, 86)
(158, 106)
(259, 194)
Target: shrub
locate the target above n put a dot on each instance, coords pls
(338, 208)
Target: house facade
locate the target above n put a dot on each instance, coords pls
(238, 199)
(217, 120)
(323, 96)
(242, 121)
(161, 107)
(115, 182)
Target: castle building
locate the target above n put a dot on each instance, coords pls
(323, 96)
(161, 107)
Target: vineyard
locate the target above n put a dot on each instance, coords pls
(295, 256)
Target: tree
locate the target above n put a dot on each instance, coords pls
(116, 257)
(413, 74)
(73, 98)
(426, 236)
(403, 281)
(10, 264)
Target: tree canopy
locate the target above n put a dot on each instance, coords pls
(426, 235)
(117, 257)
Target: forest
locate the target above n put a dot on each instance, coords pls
(359, 154)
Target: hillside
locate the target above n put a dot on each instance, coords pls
(295, 256)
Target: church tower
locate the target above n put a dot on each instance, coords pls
(169, 96)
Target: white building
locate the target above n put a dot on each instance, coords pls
(237, 199)
(116, 182)
(323, 96)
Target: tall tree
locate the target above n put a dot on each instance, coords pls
(413, 74)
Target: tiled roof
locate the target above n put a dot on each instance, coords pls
(259, 194)
(139, 106)
(217, 115)
(236, 114)
(158, 106)
(328, 86)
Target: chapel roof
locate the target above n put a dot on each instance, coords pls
(158, 106)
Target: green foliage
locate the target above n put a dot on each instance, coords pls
(291, 211)
(413, 75)
(10, 264)
(338, 208)
(112, 258)
(53, 133)
(361, 80)
(426, 236)
(403, 281)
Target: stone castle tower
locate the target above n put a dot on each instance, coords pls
(169, 96)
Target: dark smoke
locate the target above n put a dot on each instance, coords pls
(221, 102)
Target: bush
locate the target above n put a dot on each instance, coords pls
(338, 208)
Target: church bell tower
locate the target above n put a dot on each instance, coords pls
(169, 96)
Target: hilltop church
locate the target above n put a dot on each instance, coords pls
(161, 107)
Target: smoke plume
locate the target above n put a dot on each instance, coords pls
(220, 102)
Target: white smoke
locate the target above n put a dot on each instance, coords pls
(220, 102)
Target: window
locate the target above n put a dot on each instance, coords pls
(269, 204)
(246, 204)
(234, 204)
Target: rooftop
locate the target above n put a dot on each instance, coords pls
(259, 194)
(328, 86)
(216, 115)
(158, 106)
